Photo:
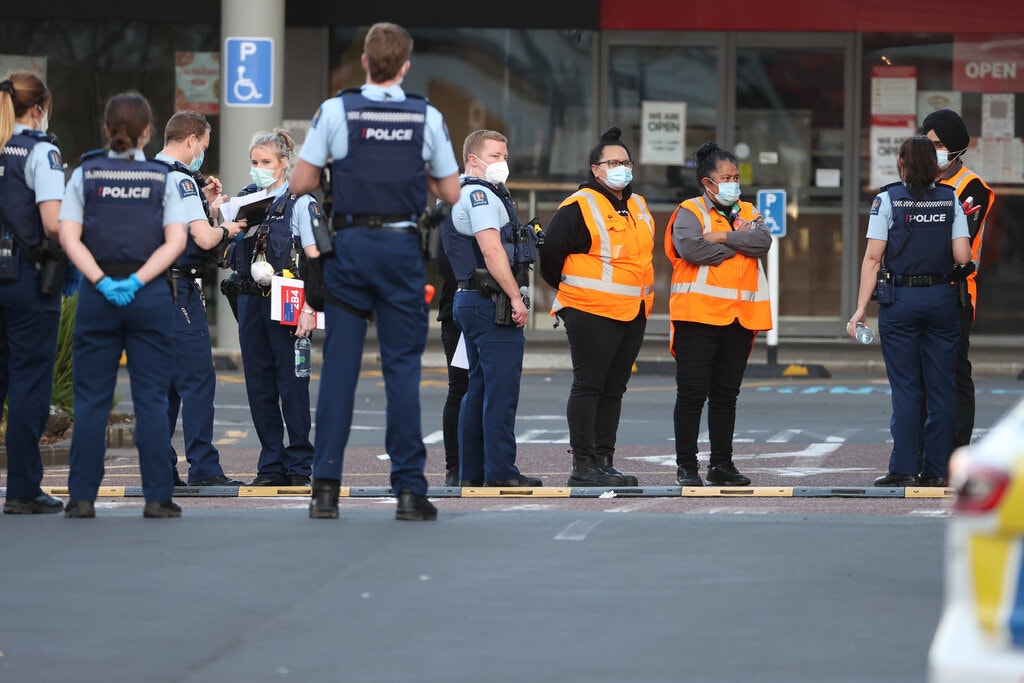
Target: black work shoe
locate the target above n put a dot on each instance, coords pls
(323, 504)
(475, 483)
(891, 480)
(219, 480)
(604, 463)
(726, 475)
(929, 482)
(585, 472)
(298, 480)
(413, 508)
(40, 505)
(263, 480)
(164, 509)
(451, 477)
(178, 481)
(687, 476)
(80, 509)
(521, 481)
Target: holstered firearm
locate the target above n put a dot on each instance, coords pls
(960, 273)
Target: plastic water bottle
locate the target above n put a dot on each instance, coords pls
(864, 334)
(303, 357)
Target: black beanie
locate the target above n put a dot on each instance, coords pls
(949, 128)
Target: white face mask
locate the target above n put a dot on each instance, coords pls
(727, 193)
(44, 123)
(496, 173)
(942, 156)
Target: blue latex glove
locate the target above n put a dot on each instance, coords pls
(113, 292)
(131, 284)
(72, 279)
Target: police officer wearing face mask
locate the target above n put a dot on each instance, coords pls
(268, 347)
(917, 230)
(31, 187)
(719, 302)
(483, 240)
(598, 254)
(186, 139)
(122, 222)
(388, 148)
(948, 133)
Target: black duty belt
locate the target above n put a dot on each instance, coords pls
(922, 280)
(469, 284)
(190, 272)
(373, 221)
(119, 268)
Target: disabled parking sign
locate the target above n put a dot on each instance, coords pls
(249, 72)
(772, 206)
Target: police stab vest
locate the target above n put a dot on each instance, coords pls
(194, 255)
(921, 234)
(463, 251)
(124, 207)
(18, 206)
(273, 238)
(383, 172)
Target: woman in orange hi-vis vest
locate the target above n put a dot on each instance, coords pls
(719, 302)
(597, 254)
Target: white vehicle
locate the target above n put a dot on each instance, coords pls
(980, 638)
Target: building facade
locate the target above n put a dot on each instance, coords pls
(812, 97)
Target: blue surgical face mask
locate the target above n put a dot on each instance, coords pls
(727, 193)
(942, 156)
(263, 177)
(197, 161)
(617, 178)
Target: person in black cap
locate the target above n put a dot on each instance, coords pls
(948, 133)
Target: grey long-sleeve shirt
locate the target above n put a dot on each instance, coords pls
(689, 242)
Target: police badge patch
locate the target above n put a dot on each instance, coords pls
(56, 163)
(874, 206)
(477, 198)
(187, 188)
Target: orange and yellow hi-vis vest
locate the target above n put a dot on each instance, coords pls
(618, 272)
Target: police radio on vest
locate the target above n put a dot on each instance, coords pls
(118, 192)
(387, 134)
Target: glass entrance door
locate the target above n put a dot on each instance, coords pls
(783, 103)
(789, 133)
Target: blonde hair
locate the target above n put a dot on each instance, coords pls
(19, 92)
(280, 142)
(475, 141)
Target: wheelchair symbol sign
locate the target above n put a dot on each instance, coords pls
(772, 205)
(249, 72)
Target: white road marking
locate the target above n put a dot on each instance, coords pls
(577, 531)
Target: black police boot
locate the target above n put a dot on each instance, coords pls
(324, 502)
(414, 508)
(586, 473)
(604, 463)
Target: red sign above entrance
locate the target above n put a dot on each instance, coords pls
(988, 64)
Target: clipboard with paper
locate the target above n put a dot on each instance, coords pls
(251, 207)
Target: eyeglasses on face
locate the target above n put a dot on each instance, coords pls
(615, 163)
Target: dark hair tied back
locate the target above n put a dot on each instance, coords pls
(612, 136)
(709, 156)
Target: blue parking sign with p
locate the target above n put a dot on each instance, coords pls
(771, 204)
(249, 72)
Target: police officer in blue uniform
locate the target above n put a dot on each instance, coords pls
(31, 187)
(186, 139)
(916, 232)
(267, 346)
(490, 253)
(122, 223)
(388, 148)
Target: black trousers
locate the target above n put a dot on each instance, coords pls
(458, 383)
(710, 362)
(965, 393)
(603, 351)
